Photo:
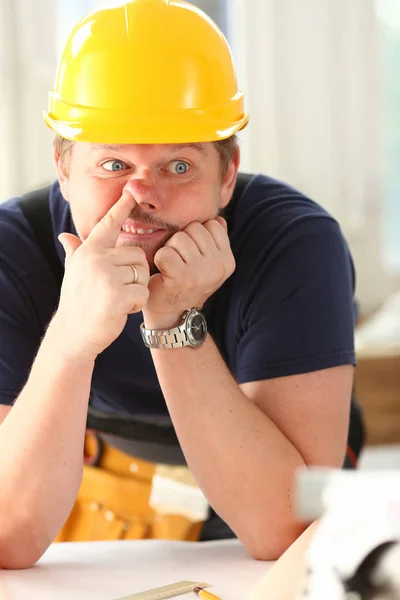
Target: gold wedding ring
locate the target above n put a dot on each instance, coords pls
(135, 274)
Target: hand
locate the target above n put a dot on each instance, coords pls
(98, 292)
(193, 264)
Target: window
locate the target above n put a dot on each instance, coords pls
(215, 9)
(69, 12)
(389, 18)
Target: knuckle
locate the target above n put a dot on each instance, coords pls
(139, 299)
(165, 255)
(141, 293)
(108, 220)
(177, 238)
(211, 225)
(93, 260)
(192, 228)
(137, 256)
(140, 254)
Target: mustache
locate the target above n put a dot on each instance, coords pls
(146, 219)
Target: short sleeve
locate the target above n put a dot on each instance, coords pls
(20, 334)
(299, 312)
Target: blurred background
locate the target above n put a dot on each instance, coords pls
(322, 82)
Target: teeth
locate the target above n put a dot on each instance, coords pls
(138, 231)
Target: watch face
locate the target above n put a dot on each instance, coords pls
(196, 328)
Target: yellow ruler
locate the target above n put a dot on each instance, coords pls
(167, 591)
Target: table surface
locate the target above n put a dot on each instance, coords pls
(109, 570)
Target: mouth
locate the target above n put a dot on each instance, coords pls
(137, 233)
(139, 230)
(145, 232)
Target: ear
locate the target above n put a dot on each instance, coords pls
(229, 180)
(62, 174)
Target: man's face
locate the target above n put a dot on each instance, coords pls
(173, 186)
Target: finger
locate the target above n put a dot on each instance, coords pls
(129, 255)
(135, 299)
(70, 243)
(201, 237)
(222, 242)
(218, 233)
(184, 245)
(128, 274)
(222, 222)
(106, 232)
(169, 262)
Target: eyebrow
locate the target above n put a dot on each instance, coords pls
(111, 147)
(200, 147)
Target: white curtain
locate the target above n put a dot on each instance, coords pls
(8, 96)
(27, 64)
(312, 74)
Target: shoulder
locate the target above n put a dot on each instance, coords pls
(285, 243)
(29, 289)
(19, 249)
(269, 203)
(288, 307)
(271, 215)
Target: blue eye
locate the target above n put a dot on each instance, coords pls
(179, 167)
(116, 165)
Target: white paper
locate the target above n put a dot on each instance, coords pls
(108, 570)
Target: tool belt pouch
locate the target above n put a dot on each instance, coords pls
(126, 498)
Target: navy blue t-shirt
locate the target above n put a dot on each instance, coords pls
(287, 309)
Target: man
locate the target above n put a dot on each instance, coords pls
(145, 110)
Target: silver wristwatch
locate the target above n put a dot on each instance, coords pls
(191, 331)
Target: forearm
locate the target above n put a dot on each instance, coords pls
(242, 461)
(41, 445)
(43, 435)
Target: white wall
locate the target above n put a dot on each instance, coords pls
(311, 72)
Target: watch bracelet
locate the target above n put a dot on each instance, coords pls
(164, 338)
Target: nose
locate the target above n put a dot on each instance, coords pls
(143, 188)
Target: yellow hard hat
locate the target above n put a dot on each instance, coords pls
(146, 72)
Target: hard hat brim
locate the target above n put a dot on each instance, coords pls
(143, 132)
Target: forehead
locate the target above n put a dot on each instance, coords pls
(203, 149)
